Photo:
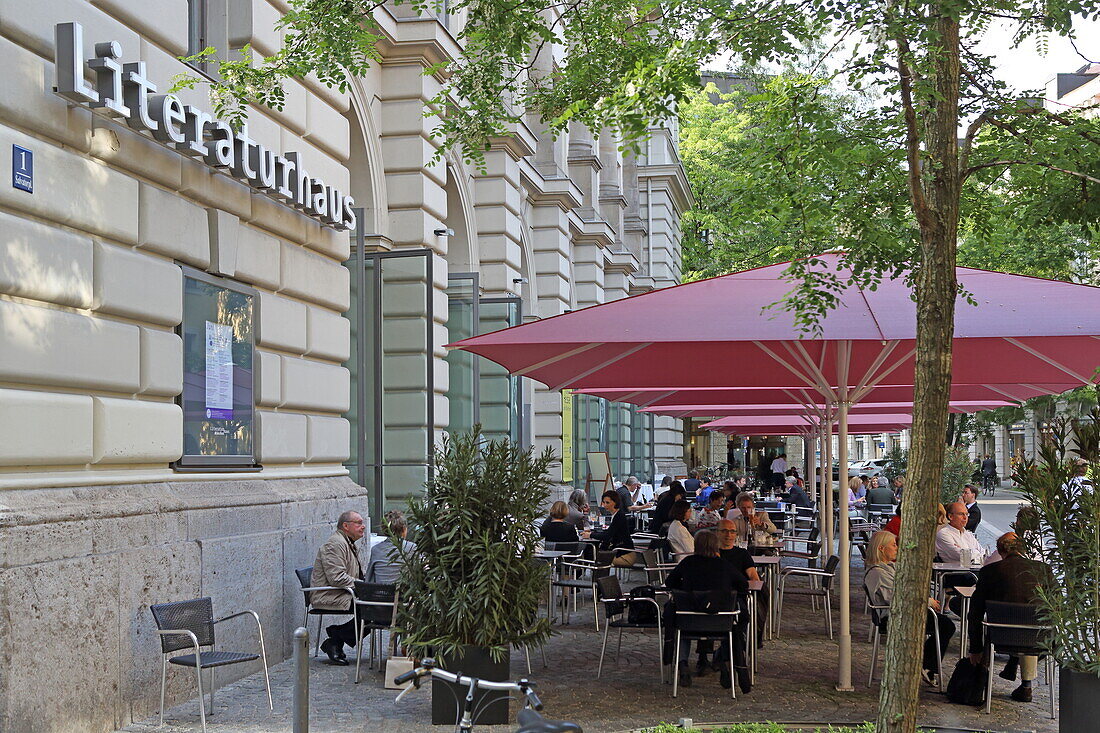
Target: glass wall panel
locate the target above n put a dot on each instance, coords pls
(462, 322)
(500, 393)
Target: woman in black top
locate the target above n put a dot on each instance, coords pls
(707, 571)
(664, 506)
(556, 529)
(617, 534)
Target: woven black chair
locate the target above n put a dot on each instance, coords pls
(1015, 629)
(578, 575)
(305, 576)
(821, 583)
(375, 610)
(701, 625)
(190, 625)
(616, 607)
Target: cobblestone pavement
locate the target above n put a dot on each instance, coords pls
(795, 684)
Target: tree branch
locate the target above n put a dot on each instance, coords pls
(912, 138)
(998, 163)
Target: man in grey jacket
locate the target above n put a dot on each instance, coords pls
(337, 567)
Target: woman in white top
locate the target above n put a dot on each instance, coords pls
(683, 544)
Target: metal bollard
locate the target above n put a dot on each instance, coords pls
(301, 680)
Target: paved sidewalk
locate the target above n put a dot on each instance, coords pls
(795, 684)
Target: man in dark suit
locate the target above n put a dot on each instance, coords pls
(970, 498)
(1015, 579)
(989, 471)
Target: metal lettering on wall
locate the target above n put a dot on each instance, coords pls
(123, 91)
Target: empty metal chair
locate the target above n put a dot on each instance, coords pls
(304, 575)
(577, 575)
(375, 610)
(616, 608)
(821, 583)
(190, 625)
(1015, 629)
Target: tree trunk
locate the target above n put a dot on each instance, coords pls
(936, 205)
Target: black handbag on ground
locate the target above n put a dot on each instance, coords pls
(967, 683)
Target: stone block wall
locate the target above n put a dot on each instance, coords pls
(79, 568)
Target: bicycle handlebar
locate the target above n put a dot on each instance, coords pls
(428, 668)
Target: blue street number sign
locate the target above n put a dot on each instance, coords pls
(22, 169)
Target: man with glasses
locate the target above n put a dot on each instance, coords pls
(953, 538)
(337, 565)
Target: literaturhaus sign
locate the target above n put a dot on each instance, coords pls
(122, 90)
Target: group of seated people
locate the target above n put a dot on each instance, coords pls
(338, 565)
(864, 490)
(1009, 576)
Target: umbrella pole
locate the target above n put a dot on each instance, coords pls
(827, 491)
(844, 684)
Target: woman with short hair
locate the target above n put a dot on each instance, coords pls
(882, 555)
(556, 528)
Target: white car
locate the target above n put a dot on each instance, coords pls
(868, 468)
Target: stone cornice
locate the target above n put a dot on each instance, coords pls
(549, 190)
(674, 178)
(591, 231)
(622, 261)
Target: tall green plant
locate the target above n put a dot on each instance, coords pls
(957, 470)
(898, 459)
(1068, 509)
(473, 579)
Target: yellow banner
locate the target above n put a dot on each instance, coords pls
(567, 436)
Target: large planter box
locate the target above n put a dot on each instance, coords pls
(492, 706)
(1078, 701)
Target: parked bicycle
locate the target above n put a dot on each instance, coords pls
(529, 719)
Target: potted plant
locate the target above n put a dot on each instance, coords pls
(470, 590)
(1061, 485)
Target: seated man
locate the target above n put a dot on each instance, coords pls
(337, 565)
(1014, 579)
(743, 563)
(384, 565)
(953, 537)
(880, 495)
(747, 519)
(796, 494)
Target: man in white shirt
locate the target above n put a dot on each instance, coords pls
(779, 470)
(953, 537)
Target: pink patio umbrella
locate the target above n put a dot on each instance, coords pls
(870, 408)
(1022, 331)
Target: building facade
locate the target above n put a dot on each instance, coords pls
(213, 342)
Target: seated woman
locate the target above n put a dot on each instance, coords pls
(879, 582)
(713, 511)
(675, 492)
(679, 536)
(705, 570)
(578, 509)
(857, 493)
(616, 536)
(556, 529)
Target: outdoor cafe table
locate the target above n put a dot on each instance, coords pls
(550, 557)
(770, 565)
(755, 587)
(966, 592)
(939, 569)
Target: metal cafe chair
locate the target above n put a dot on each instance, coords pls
(616, 608)
(304, 576)
(1014, 628)
(821, 582)
(693, 625)
(190, 625)
(878, 631)
(375, 610)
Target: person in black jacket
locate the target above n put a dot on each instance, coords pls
(675, 492)
(1014, 579)
(707, 571)
(617, 535)
(970, 498)
(556, 529)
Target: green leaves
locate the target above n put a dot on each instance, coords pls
(473, 579)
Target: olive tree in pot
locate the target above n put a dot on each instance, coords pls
(470, 590)
(1060, 483)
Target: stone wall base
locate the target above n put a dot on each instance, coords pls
(80, 567)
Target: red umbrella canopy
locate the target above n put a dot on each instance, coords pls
(862, 408)
(721, 332)
(660, 397)
(802, 422)
(869, 429)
